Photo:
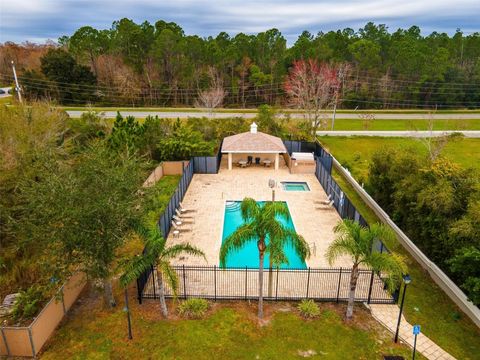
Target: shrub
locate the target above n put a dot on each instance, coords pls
(28, 303)
(308, 309)
(193, 308)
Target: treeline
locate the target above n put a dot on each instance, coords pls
(437, 204)
(158, 64)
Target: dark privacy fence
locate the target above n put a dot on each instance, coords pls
(165, 220)
(328, 284)
(207, 164)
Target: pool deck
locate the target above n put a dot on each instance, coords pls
(208, 193)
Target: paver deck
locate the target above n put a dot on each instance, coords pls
(208, 193)
(387, 315)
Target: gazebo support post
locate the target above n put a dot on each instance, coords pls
(277, 160)
(230, 156)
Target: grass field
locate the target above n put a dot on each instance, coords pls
(229, 331)
(383, 124)
(425, 303)
(355, 152)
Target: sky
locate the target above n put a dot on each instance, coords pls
(40, 20)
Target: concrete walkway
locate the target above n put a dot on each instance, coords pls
(401, 133)
(387, 315)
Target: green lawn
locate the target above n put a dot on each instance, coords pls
(384, 124)
(426, 304)
(229, 331)
(355, 152)
(6, 100)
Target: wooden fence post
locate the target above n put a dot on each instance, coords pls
(5, 341)
(63, 300)
(30, 336)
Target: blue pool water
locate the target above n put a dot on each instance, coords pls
(248, 255)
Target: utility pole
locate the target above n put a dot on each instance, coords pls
(17, 87)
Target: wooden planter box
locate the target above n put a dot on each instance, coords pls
(28, 340)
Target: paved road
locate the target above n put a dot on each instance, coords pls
(415, 134)
(352, 115)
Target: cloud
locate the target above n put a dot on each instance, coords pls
(39, 20)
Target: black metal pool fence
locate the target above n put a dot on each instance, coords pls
(211, 165)
(327, 284)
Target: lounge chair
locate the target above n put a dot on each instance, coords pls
(184, 209)
(183, 215)
(183, 220)
(324, 202)
(180, 227)
(326, 206)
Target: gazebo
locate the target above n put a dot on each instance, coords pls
(256, 146)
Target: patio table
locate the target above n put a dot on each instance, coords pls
(242, 163)
(266, 162)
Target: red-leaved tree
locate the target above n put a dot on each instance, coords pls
(312, 87)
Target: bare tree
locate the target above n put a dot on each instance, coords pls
(212, 97)
(311, 88)
(367, 120)
(434, 144)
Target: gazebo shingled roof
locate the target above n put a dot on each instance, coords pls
(253, 142)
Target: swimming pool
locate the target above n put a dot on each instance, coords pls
(248, 255)
(295, 186)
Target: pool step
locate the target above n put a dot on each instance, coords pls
(232, 206)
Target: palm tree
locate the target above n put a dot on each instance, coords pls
(357, 241)
(276, 246)
(157, 253)
(260, 223)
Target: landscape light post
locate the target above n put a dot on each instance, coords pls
(272, 185)
(406, 280)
